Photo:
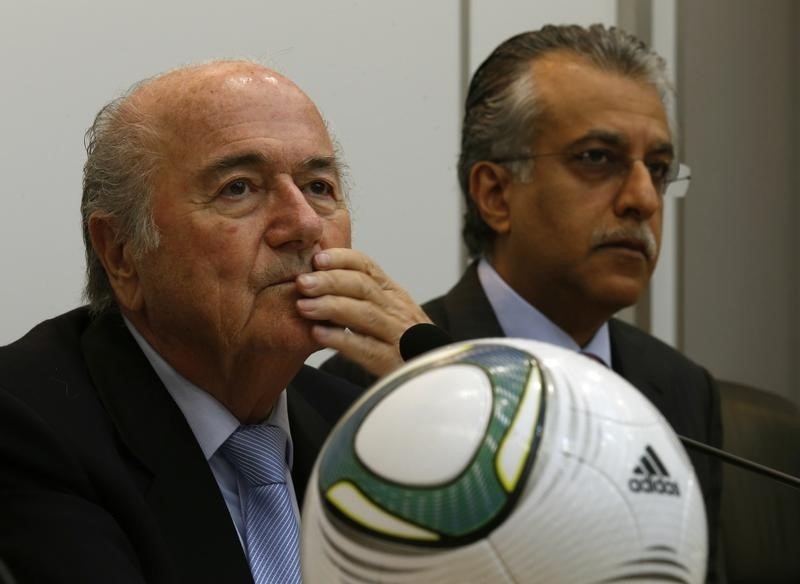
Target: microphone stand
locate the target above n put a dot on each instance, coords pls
(741, 462)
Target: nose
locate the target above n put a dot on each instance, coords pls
(637, 196)
(292, 223)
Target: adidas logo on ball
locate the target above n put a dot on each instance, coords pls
(652, 476)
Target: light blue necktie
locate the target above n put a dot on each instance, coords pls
(271, 534)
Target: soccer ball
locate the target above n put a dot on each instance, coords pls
(503, 460)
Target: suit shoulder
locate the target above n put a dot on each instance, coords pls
(46, 370)
(631, 343)
(436, 310)
(51, 344)
(51, 332)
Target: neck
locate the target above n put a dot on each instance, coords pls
(251, 390)
(582, 330)
(570, 311)
(247, 383)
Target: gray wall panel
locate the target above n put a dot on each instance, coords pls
(737, 69)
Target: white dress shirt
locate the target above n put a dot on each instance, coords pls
(519, 319)
(212, 424)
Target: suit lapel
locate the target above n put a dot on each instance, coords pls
(316, 401)
(629, 361)
(470, 316)
(183, 494)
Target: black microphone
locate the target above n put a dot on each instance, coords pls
(421, 338)
(425, 337)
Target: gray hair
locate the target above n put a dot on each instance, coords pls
(502, 109)
(123, 158)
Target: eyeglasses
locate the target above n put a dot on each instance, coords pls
(599, 165)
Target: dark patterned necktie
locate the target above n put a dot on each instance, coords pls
(594, 357)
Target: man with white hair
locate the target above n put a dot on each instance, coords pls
(165, 432)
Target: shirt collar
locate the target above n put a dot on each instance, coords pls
(210, 421)
(520, 319)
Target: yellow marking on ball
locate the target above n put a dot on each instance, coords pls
(353, 504)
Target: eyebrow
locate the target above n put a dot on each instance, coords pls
(323, 163)
(220, 165)
(256, 159)
(618, 140)
(320, 163)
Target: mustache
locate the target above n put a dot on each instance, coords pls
(639, 234)
(284, 269)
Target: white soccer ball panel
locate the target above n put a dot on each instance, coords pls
(661, 489)
(570, 528)
(426, 431)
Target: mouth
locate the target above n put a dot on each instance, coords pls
(285, 280)
(633, 246)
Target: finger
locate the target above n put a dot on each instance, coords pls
(343, 258)
(357, 285)
(349, 272)
(357, 315)
(376, 357)
(339, 283)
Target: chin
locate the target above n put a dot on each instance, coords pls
(286, 333)
(296, 338)
(621, 294)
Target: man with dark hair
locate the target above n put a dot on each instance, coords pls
(165, 432)
(566, 157)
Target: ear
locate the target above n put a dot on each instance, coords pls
(488, 188)
(118, 260)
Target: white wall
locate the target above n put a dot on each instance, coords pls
(493, 22)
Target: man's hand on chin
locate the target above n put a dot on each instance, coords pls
(365, 310)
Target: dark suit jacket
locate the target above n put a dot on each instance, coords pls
(101, 478)
(682, 391)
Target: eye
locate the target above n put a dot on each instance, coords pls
(319, 188)
(660, 171)
(596, 158)
(596, 164)
(238, 189)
